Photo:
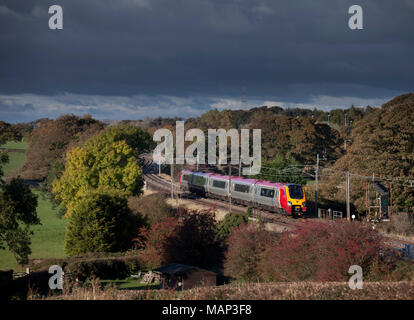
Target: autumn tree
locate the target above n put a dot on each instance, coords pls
(383, 144)
(106, 162)
(52, 138)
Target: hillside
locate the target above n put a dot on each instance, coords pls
(383, 145)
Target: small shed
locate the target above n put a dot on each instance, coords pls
(180, 277)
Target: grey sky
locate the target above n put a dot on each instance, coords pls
(128, 59)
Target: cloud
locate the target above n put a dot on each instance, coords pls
(176, 56)
(27, 107)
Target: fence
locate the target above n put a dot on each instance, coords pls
(329, 214)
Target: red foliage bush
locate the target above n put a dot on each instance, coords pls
(189, 239)
(322, 251)
(155, 242)
(245, 247)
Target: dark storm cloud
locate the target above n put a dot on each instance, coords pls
(290, 51)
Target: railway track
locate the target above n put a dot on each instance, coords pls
(158, 183)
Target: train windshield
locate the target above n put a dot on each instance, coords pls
(295, 192)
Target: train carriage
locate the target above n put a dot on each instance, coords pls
(217, 186)
(285, 198)
(242, 190)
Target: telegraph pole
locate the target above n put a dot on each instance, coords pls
(230, 187)
(240, 167)
(348, 208)
(316, 185)
(172, 179)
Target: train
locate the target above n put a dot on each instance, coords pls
(284, 198)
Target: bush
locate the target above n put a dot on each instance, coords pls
(231, 221)
(100, 223)
(189, 239)
(323, 251)
(104, 269)
(155, 242)
(246, 245)
(403, 223)
(153, 207)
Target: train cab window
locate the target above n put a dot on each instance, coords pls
(269, 193)
(241, 188)
(219, 184)
(295, 192)
(186, 177)
(199, 180)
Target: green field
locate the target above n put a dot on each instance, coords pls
(16, 160)
(15, 145)
(47, 240)
(130, 284)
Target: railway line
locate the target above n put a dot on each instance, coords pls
(154, 181)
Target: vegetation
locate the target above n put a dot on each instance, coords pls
(316, 251)
(100, 222)
(230, 221)
(154, 207)
(282, 169)
(104, 163)
(17, 215)
(383, 144)
(51, 139)
(189, 239)
(245, 248)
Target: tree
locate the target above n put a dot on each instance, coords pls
(383, 144)
(100, 222)
(17, 213)
(282, 169)
(107, 162)
(51, 139)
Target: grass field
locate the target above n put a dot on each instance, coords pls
(47, 240)
(16, 160)
(130, 284)
(15, 145)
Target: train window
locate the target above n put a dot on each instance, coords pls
(186, 177)
(295, 192)
(199, 180)
(267, 193)
(241, 188)
(219, 184)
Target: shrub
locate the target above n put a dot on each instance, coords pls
(245, 247)
(403, 223)
(189, 239)
(100, 223)
(153, 207)
(322, 251)
(196, 243)
(155, 240)
(230, 221)
(105, 269)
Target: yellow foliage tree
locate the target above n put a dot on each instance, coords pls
(104, 163)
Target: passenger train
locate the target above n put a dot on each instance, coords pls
(285, 198)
